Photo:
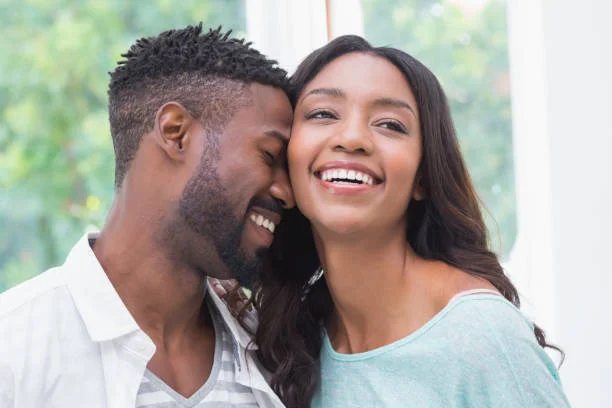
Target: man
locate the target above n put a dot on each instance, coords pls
(200, 123)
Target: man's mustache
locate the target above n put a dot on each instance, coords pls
(271, 205)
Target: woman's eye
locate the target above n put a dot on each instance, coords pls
(320, 114)
(393, 125)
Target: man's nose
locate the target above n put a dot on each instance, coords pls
(281, 189)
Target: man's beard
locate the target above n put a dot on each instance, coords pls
(206, 209)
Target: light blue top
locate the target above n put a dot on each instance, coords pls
(479, 351)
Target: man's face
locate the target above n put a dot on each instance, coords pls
(235, 197)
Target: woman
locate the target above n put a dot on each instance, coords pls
(412, 309)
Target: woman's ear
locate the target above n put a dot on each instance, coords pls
(418, 191)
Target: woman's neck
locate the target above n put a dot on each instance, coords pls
(376, 290)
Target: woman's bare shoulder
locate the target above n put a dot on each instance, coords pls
(447, 281)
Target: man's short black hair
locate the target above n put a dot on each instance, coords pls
(207, 73)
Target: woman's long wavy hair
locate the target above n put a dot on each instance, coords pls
(447, 226)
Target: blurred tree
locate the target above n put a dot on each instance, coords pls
(56, 158)
(464, 42)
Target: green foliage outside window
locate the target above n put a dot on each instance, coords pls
(465, 43)
(56, 156)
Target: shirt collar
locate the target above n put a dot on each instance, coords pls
(97, 301)
(103, 311)
(242, 336)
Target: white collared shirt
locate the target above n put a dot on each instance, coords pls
(67, 340)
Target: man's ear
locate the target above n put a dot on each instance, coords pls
(172, 124)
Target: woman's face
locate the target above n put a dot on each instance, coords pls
(355, 146)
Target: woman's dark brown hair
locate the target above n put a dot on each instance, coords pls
(447, 226)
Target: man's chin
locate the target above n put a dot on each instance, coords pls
(248, 273)
(247, 278)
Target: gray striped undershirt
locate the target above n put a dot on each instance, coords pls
(220, 390)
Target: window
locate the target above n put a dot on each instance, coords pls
(465, 43)
(56, 158)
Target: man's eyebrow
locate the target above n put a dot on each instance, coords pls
(278, 135)
(396, 103)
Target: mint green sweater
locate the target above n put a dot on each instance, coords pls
(479, 351)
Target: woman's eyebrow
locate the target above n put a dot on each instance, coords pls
(333, 92)
(339, 93)
(396, 103)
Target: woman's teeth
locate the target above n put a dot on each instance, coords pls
(263, 222)
(346, 176)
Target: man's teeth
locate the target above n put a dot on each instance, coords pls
(263, 222)
(345, 175)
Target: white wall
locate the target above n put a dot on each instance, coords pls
(561, 62)
(287, 30)
(578, 38)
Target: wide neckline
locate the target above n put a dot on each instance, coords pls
(477, 294)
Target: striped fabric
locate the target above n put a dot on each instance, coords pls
(219, 391)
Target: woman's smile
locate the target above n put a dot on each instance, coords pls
(347, 178)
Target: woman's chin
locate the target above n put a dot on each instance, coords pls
(347, 227)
